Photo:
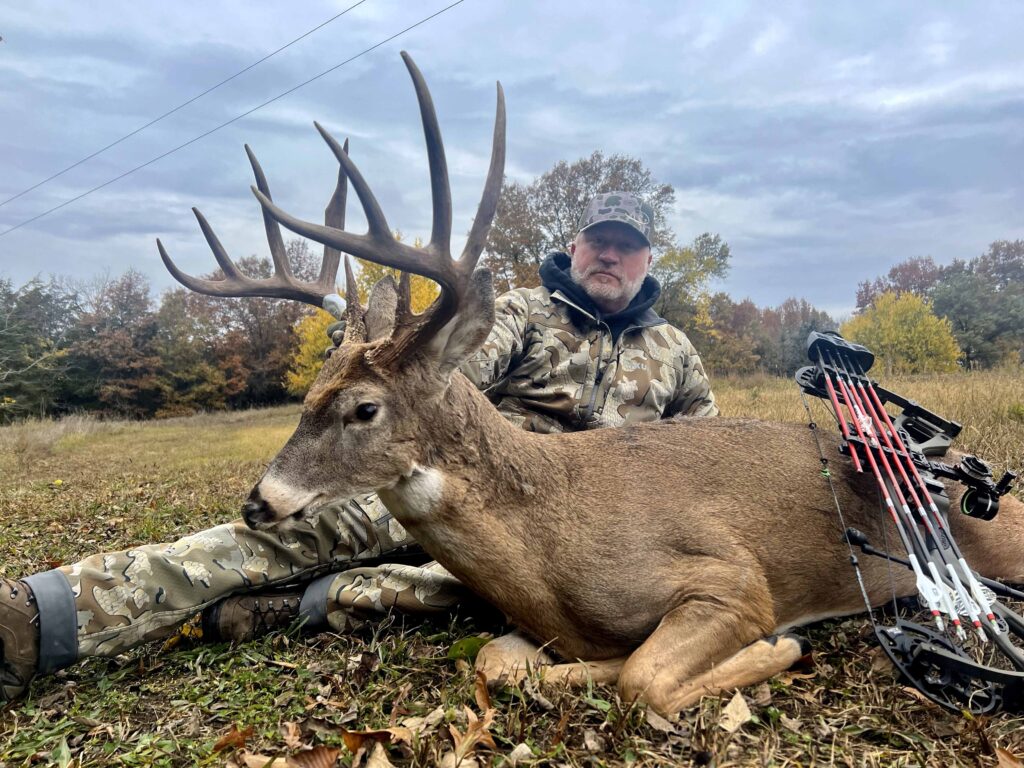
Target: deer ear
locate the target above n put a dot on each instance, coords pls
(468, 329)
(380, 309)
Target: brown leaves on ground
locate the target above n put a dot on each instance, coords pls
(233, 739)
(317, 757)
(735, 714)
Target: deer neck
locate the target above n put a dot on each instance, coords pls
(475, 474)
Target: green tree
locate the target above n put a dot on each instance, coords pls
(685, 275)
(198, 373)
(34, 320)
(983, 298)
(905, 334)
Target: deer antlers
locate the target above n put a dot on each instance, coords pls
(283, 285)
(434, 260)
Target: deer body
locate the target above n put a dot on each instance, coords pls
(661, 555)
(586, 540)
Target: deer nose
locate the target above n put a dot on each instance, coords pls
(256, 511)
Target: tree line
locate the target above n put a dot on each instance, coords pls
(109, 347)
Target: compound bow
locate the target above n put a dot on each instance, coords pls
(951, 663)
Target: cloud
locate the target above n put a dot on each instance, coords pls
(823, 142)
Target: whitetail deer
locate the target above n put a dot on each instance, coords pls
(666, 556)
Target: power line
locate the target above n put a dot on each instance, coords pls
(232, 120)
(180, 106)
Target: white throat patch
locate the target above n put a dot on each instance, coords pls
(419, 493)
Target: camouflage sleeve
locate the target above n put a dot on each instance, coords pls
(693, 396)
(504, 345)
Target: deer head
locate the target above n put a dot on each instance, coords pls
(381, 392)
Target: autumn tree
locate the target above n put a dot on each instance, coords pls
(730, 337)
(917, 275)
(199, 372)
(540, 217)
(983, 298)
(905, 334)
(260, 332)
(113, 363)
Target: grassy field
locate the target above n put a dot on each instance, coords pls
(76, 487)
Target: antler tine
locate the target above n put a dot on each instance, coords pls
(273, 229)
(199, 285)
(231, 272)
(440, 189)
(492, 191)
(404, 314)
(351, 289)
(334, 216)
(375, 218)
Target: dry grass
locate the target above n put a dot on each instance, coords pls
(94, 486)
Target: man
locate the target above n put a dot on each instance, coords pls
(584, 350)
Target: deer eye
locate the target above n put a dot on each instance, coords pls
(366, 411)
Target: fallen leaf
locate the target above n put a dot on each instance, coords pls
(1007, 759)
(735, 714)
(421, 726)
(791, 723)
(763, 695)
(592, 742)
(659, 723)
(252, 760)
(355, 740)
(451, 760)
(379, 757)
(233, 739)
(477, 732)
(530, 689)
(317, 757)
(881, 663)
(483, 698)
(918, 695)
(62, 754)
(292, 735)
(520, 753)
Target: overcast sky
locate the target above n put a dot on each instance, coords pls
(823, 141)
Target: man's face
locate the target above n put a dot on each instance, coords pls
(610, 261)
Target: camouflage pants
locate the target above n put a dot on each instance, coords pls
(145, 593)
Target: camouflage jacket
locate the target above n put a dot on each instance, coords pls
(550, 366)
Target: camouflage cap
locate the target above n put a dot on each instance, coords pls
(622, 207)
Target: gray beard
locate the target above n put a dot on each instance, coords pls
(624, 291)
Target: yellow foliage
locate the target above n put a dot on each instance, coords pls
(421, 290)
(309, 355)
(905, 335)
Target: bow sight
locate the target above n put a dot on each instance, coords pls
(952, 663)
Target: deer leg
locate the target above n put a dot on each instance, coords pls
(702, 647)
(753, 664)
(507, 660)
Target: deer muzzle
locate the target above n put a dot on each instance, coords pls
(256, 512)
